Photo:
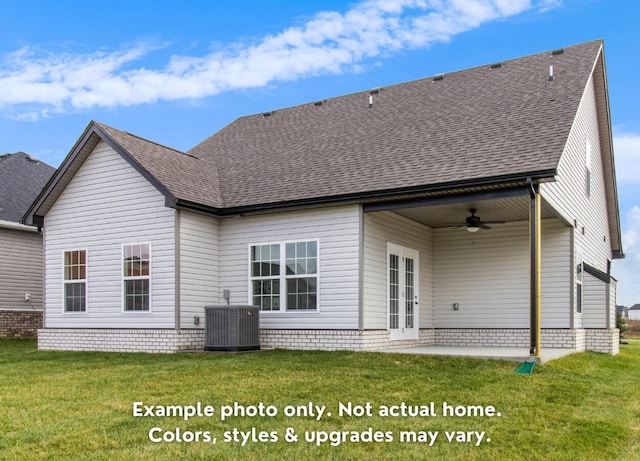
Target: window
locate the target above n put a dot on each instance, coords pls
(136, 277)
(75, 281)
(265, 276)
(293, 289)
(579, 279)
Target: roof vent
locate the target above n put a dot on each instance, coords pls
(268, 114)
(318, 103)
(497, 65)
(557, 52)
(375, 91)
(551, 76)
(438, 78)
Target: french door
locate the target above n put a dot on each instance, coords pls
(402, 292)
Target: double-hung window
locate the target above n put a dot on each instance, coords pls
(136, 277)
(284, 276)
(75, 281)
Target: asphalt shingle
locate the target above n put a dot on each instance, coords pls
(478, 123)
(22, 177)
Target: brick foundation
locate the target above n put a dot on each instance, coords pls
(120, 340)
(556, 338)
(332, 340)
(603, 340)
(169, 340)
(20, 323)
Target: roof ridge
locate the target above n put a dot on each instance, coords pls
(164, 146)
(427, 77)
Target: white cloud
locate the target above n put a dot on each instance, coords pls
(330, 42)
(627, 270)
(627, 156)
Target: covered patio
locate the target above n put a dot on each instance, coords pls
(515, 354)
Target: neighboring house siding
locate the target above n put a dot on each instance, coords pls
(198, 266)
(108, 204)
(568, 193)
(487, 273)
(594, 308)
(20, 269)
(338, 232)
(379, 229)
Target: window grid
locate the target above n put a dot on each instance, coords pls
(394, 291)
(75, 281)
(136, 274)
(265, 274)
(409, 289)
(292, 288)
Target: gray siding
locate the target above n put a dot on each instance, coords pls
(594, 306)
(21, 269)
(487, 273)
(568, 193)
(380, 228)
(108, 204)
(198, 266)
(613, 287)
(338, 232)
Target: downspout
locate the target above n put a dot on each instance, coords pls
(608, 295)
(361, 272)
(44, 278)
(176, 268)
(572, 280)
(535, 268)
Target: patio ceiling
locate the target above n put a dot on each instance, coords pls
(509, 209)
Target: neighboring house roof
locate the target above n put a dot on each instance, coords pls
(635, 307)
(21, 180)
(490, 126)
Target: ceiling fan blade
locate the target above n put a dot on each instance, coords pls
(484, 226)
(494, 222)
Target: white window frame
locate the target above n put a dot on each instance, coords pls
(66, 282)
(588, 158)
(579, 308)
(125, 278)
(283, 277)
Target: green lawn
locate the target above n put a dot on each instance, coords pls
(68, 405)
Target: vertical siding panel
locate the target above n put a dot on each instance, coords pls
(108, 204)
(380, 228)
(20, 269)
(337, 229)
(199, 254)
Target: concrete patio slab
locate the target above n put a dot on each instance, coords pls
(516, 354)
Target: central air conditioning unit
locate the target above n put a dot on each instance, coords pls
(232, 328)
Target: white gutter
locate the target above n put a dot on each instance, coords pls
(17, 226)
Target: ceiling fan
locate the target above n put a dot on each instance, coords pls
(473, 223)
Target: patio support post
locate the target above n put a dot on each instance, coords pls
(535, 268)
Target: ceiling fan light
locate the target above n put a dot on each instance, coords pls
(473, 228)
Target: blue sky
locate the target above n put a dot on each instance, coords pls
(177, 71)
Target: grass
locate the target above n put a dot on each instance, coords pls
(72, 405)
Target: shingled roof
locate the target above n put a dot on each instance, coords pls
(486, 124)
(184, 176)
(21, 179)
(495, 124)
